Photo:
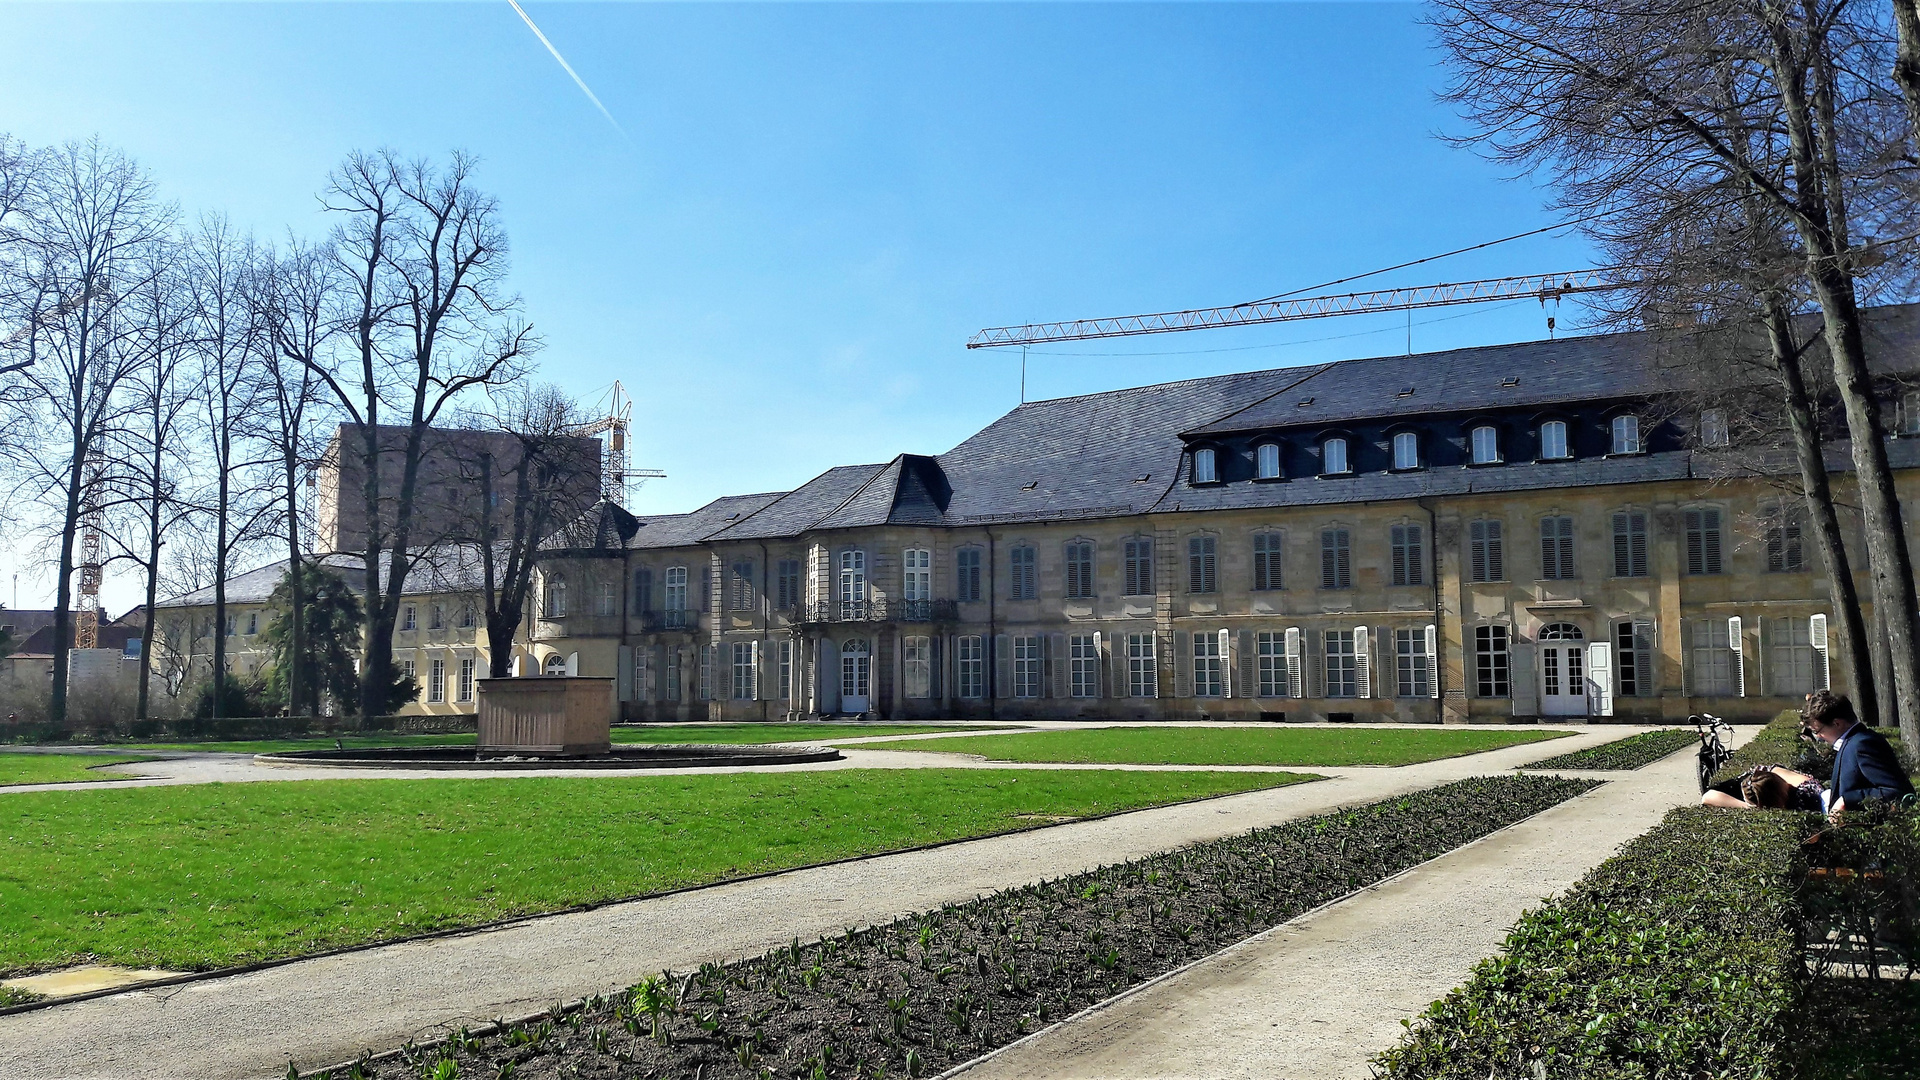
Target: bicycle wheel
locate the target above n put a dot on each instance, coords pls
(1704, 766)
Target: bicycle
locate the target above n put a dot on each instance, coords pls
(1714, 751)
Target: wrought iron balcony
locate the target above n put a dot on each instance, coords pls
(652, 622)
(874, 610)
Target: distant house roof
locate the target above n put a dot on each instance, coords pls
(40, 645)
(446, 569)
(25, 622)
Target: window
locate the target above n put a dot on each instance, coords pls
(918, 662)
(556, 665)
(233, 625)
(603, 599)
(705, 689)
(1026, 665)
(1333, 457)
(1703, 541)
(1626, 434)
(1341, 664)
(1556, 548)
(1021, 583)
(1786, 554)
(1201, 564)
(436, 680)
(1906, 419)
(1266, 561)
(856, 670)
(966, 573)
(1412, 663)
(1553, 441)
(676, 588)
(643, 590)
(1486, 445)
(1796, 663)
(1139, 564)
(253, 623)
(1713, 428)
(464, 688)
(410, 617)
(1488, 556)
(1203, 469)
(971, 667)
(1630, 544)
(673, 669)
(707, 577)
(556, 606)
(1266, 461)
(1634, 643)
(1406, 450)
(1079, 570)
(787, 585)
(1336, 559)
(1143, 670)
(436, 617)
(853, 584)
(1712, 660)
(917, 568)
(467, 615)
(740, 587)
(1491, 664)
(1083, 666)
(1271, 647)
(1409, 560)
(1206, 664)
(784, 650)
(128, 651)
(745, 686)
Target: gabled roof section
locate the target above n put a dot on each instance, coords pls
(806, 506)
(679, 530)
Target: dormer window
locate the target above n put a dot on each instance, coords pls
(1203, 468)
(1906, 420)
(1406, 450)
(1266, 460)
(1486, 445)
(1553, 441)
(1713, 427)
(1626, 434)
(1333, 457)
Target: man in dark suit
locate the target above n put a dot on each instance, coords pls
(1864, 764)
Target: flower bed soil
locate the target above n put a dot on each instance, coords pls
(1629, 753)
(930, 991)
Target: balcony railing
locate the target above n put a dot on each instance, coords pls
(875, 610)
(652, 622)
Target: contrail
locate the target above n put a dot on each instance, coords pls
(574, 75)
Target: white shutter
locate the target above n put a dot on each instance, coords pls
(1686, 658)
(1523, 677)
(753, 660)
(1736, 646)
(573, 665)
(1433, 661)
(1296, 687)
(513, 664)
(1817, 637)
(1100, 664)
(1362, 662)
(1600, 679)
(1227, 656)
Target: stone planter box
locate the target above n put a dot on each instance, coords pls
(545, 716)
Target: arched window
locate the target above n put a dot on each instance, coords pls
(1267, 461)
(1406, 450)
(1626, 434)
(1333, 456)
(1553, 441)
(556, 664)
(1561, 631)
(556, 606)
(1203, 470)
(1486, 445)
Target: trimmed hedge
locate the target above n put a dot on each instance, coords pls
(1677, 957)
(1779, 743)
(1629, 753)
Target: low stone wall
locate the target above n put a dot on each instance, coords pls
(545, 716)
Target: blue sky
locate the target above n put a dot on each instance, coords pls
(813, 206)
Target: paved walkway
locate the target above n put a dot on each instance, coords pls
(327, 1009)
(1315, 998)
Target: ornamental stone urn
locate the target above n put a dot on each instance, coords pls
(545, 716)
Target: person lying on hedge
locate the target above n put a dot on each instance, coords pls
(1864, 767)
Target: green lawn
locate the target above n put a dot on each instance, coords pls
(57, 768)
(211, 875)
(650, 733)
(1361, 745)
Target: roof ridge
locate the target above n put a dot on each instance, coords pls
(878, 472)
(1294, 385)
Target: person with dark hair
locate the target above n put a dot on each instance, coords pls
(1864, 764)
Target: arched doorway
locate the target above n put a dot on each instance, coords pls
(856, 675)
(1563, 670)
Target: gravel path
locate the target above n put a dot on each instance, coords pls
(1314, 998)
(327, 1009)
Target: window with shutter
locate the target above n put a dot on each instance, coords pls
(1488, 558)
(1084, 663)
(1339, 673)
(1207, 660)
(1556, 548)
(966, 573)
(1630, 544)
(1408, 543)
(740, 594)
(643, 590)
(787, 584)
(1020, 581)
(1703, 541)
(1271, 668)
(1079, 556)
(970, 669)
(1143, 672)
(1413, 666)
(1492, 662)
(1138, 556)
(1336, 559)
(1266, 561)
(1296, 668)
(1201, 565)
(1026, 666)
(1786, 552)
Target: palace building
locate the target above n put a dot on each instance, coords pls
(1531, 530)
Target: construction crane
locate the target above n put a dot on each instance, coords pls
(1544, 287)
(615, 473)
(86, 618)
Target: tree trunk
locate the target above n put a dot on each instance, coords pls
(62, 609)
(1828, 537)
(297, 693)
(141, 708)
(223, 441)
(1906, 65)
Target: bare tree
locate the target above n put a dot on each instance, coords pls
(426, 318)
(1596, 94)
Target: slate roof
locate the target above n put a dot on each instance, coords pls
(1120, 452)
(40, 645)
(447, 569)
